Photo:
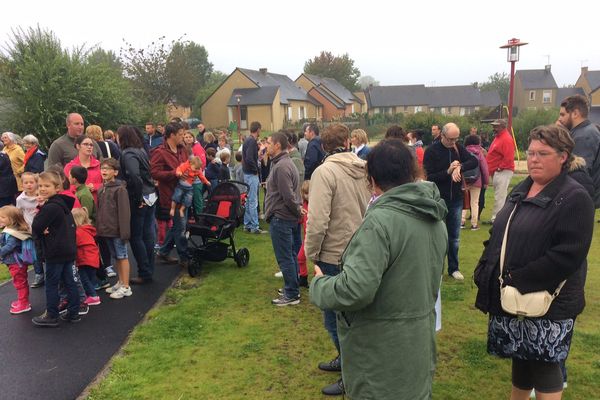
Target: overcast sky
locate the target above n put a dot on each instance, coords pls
(413, 42)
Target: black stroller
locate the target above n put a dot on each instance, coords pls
(224, 211)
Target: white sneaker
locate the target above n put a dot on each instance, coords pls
(121, 292)
(458, 276)
(532, 394)
(110, 272)
(114, 288)
(278, 274)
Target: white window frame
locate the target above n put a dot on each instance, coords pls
(532, 95)
(290, 113)
(418, 109)
(548, 99)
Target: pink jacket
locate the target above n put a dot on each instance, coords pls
(94, 176)
(484, 178)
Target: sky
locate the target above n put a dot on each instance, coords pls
(420, 42)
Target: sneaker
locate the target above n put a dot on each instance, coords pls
(258, 231)
(83, 309)
(45, 320)
(284, 301)
(334, 365)
(38, 281)
(103, 284)
(335, 389)
(458, 276)
(281, 292)
(157, 246)
(113, 288)
(121, 292)
(532, 394)
(110, 272)
(70, 318)
(92, 300)
(462, 225)
(475, 227)
(62, 306)
(278, 274)
(20, 308)
(13, 304)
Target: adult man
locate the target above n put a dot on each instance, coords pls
(473, 131)
(435, 133)
(302, 144)
(160, 127)
(314, 153)
(63, 150)
(250, 168)
(153, 137)
(573, 116)
(283, 209)
(201, 132)
(501, 163)
(444, 161)
(338, 201)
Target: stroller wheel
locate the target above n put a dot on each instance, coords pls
(194, 268)
(242, 257)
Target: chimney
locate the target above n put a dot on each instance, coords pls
(547, 67)
(263, 71)
(584, 70)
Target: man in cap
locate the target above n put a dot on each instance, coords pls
(501, 163)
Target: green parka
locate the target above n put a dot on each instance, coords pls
(385, 295)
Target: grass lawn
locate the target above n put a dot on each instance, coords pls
(218, 337)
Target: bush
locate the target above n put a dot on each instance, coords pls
(526, 120)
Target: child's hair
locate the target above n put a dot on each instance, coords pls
(80, 216)
(79, 173)
(211, 152)
(56, 175)
(31, 174)
(195, 161)
(305, 190)
(15, 217)
(238, 156)
(110, 162)
(225, 156)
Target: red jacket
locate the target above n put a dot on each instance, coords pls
(87, 250)
(502, 153)
(94, 176)
(163, 164)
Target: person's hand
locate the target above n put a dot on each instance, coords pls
(453, 166)
(142, 204)
(209, 184)
(91, 187)
(318, 271)
(303, 211)
(46, 231)
(456, 176)
(178, 173)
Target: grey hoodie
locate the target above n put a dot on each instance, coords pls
(27, 204)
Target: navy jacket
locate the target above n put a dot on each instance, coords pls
(8, 183)
(35, 163)
(313, 157)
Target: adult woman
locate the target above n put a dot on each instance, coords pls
(164, 161)
(8, 182)
(195, 149)
(359, 140)
(209, 141)
(15, 153)
(84, 158)
(547, 242)
(34, 157)
(135, 167)
(388, 341)
(108, 148)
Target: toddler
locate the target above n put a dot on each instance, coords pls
(187, 172)
(88, 255)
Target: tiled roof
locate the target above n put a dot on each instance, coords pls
(563, 93)
(288, 90)
(389, 96)
(333, 100)
(335, 87)
(593, 78)
(536, 79)
(437, 96)
(254, 96)
(447, 96)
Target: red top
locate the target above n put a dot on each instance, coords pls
(198, 151)
(419, 152)
(186, 168)
(87, 250)
(163, 163)
(94, 176)
(502, 153)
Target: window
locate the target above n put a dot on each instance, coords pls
(352, 108)
(418, 109)
(462, 112)
(532, 95)
(443, 110)
(405, 108)
(290, 112)
(547, 96)
(301, 112)
(386, 110)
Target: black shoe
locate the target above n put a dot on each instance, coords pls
(303, 281)
(83, 309)
(70, 318)
(335, 389)
(166, 258)
(140, 281)
(334, 365)
(45, 320)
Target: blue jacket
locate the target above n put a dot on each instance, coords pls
(10, 246)
(35, 163)
(313, 157)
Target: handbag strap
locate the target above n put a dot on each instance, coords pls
(503, 253)
(108, 149)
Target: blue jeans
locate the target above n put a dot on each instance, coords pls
(251, 215)
(55, 272)
(183, 195)
(143, 237)
(38, 267)
(453, 227)
(329, 319)
(176, 237)
(286, 239)
(88, 280)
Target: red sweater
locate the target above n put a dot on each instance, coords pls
(87, 250)
(502, 153)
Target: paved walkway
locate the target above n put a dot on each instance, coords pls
(58, 363)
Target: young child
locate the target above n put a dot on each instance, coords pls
(77, 177)
(238, 172)
(212, 167)
(112, 223)
(28, 203)
(65, 186)
(54, 227)
(88, 255)
(187, 173)
(303, 281)
(15, 231)
(224, 174)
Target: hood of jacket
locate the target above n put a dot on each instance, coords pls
(418, 198)
(351, 164)
(88, 229)
(475, 149)
(64, 201)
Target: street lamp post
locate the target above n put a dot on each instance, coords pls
(238, 98)
(512, 57)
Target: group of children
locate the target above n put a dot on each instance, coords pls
(56, 226)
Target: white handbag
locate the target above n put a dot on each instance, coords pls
(535, 304)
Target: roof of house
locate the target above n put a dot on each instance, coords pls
(593, 78)
(333, 100)
(490, 98)
(563, 93)
(447, 96)
(536, 79)
(390, 96)
(287, 87)
(335, 87)
(253, 96)
(594, 115)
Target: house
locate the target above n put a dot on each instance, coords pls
(535, 89)
(563, 93)
(337, 101)
(589, 81)
(397, 99)
(248, 95)
(454, 100)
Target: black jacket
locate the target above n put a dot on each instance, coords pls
(135, 170)
(437, 160)
(548, 241)
(250, 156)
(105, 145)
(59, 243)
(313, 157)
(8, 183)
(587, 145)
(35, 163)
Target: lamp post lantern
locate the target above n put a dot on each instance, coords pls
(512, 56)
(238, 98)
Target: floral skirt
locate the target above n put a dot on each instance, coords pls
(530, 338)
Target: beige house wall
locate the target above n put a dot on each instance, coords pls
(595, 98)
(304, 82)
(361, 107)
(310, 110)
(583, 83)
(262, 114)
(214, 110)
(277, 113)
(522, 102)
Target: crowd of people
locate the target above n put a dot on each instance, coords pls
(375, 222)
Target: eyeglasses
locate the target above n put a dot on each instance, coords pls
(451, 139)
(539, 154)
(107, 169)
(87, 144)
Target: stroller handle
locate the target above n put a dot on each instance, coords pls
(240, 183)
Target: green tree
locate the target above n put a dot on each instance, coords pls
(529, 119)
(340, 68)
(214, 81)
(188, 70)
(500, 82)
(366, 81)
(41, 83)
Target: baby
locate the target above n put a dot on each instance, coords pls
(188, 172)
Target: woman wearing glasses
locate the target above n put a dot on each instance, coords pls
(85, 158)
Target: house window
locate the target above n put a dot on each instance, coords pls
(418, 109)
(290, 112)
(405, 108)
(301, 112)
(462, 111)
(443, 110)
(352, 108)
(386, 110)
(547, 96)
(532, 95)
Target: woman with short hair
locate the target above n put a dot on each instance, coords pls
(108, 148)
(359, 140)
(85, 158)
(34, 157)
(15, 152)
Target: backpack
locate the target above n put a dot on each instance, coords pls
(471, 175)
(28, 255)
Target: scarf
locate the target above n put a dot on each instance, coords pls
(29, 153)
